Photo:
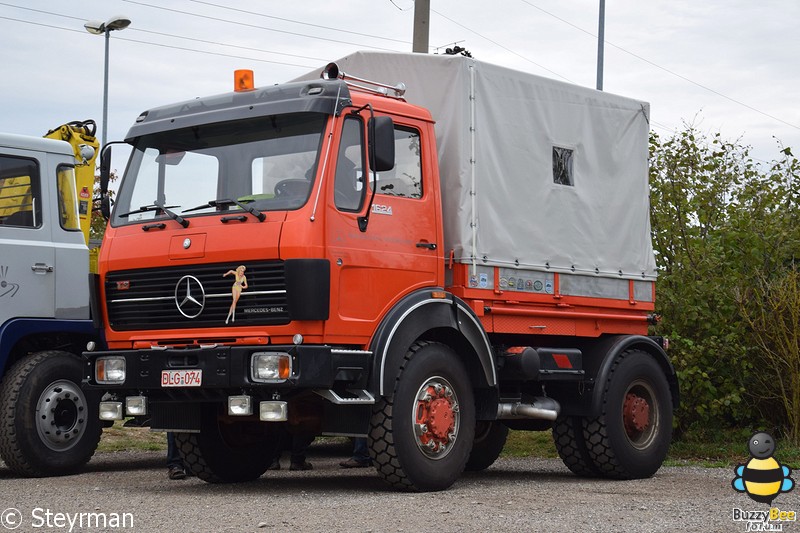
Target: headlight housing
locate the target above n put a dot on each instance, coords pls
(110, 370)
(270, 367)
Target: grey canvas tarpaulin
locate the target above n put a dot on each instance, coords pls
(559, 172)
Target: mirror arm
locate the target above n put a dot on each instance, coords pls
(363, 221)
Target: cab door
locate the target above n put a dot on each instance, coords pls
(27, 257)
(399, 251)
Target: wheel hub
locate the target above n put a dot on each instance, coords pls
(436, 418)
(635, 414)
(61, 415)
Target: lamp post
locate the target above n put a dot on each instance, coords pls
(601, 39)
(105, 28)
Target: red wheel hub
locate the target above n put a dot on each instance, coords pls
(441, 420)
(435, 417)
(635, 414)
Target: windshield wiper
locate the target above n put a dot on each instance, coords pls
(155, 207)
(227, 201)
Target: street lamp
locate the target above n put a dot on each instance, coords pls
(105, 28)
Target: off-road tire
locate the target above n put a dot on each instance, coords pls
(614, 453)
(221, 453)
(393, 443)
(37, 440)
(568, 438)
(490, 438)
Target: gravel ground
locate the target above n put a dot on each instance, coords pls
(513, 495)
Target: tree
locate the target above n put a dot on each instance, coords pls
(720, 220)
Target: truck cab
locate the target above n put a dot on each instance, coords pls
(49, 424)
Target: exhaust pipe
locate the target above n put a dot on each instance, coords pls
(542, 408)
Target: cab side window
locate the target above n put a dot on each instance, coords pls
(349, 181)
(405, 179)
(20, 195)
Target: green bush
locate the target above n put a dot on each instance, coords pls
(720, 222)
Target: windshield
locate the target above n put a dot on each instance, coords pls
(267, 163)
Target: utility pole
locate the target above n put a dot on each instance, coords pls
(422, 17)
(600, 42)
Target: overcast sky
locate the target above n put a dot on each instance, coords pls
(727, 66)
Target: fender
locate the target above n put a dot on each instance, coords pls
(613, 347)
(16, 329)
(420, 313)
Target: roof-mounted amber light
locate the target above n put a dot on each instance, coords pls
(243, 80)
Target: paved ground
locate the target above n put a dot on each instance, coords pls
(514, 495)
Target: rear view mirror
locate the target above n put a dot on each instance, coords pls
(105, 169)
(381, 144)
(170, 158)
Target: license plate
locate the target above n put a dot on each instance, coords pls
(181, 378)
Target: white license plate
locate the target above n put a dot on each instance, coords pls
(181, 378)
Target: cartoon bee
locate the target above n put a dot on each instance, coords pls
(762, 478)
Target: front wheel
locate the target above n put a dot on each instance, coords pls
(631, 437)
(225, 452)
(421, 436)
(48, 426)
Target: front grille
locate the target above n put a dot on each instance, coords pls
(150, 298)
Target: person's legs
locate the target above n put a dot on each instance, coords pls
(360, 458)
(300, 445)
(175, 469)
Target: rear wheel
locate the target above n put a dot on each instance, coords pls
(631, 437)
(49, 426)
(490, 438)
(568, 438)
(421, 436)
(225, 452)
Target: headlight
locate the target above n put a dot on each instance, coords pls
(136, 405)
(271, 367)
(110, 370)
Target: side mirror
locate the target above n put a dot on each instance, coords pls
(105, 170)
(381, 144)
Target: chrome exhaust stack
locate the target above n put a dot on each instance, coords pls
(542, 408)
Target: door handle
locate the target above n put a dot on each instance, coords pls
(41, 268)
(428, 245)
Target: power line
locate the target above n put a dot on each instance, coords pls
(509, 50)
(738, 102)
(216, 43)
(217, 19)
(150, 43)
(293, 21)
(161, 34)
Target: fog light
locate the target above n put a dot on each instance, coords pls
(240, 406)
(136, 405)
(273, 411)
(270, 367)
(110, 370)
(110, 411)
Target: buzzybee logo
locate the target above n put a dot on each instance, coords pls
(763, 478)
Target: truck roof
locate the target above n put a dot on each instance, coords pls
(309, 96)
(40, 144)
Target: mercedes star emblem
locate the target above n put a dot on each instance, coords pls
(190, 297)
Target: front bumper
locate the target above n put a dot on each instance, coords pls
(228, 368)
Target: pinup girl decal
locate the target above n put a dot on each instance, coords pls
(239, 285)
